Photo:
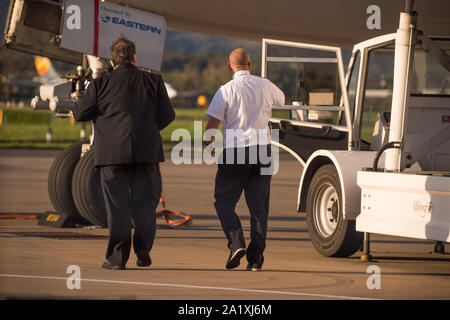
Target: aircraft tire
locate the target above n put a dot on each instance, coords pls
(60, 180)
(86, 191)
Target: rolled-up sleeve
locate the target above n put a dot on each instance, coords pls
(217, 107)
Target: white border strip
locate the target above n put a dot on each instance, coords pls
(299, 60)
(193, 287)
(292, 152)
(309, 124)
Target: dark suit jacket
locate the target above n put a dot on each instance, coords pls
(129, 107)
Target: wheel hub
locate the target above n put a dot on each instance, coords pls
(326, 210)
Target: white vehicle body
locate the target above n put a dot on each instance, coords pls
(411, 197)
(407, 205)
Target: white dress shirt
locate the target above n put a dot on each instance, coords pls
(244, 106)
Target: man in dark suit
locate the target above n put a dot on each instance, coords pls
(129, 107)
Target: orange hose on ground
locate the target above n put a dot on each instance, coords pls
(167, 213)
(18, 217)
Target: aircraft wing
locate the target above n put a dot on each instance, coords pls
(330, 22)
(34, 26)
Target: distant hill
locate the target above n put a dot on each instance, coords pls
(193, 43)
(196, 62)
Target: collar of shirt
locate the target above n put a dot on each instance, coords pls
(125, 65)
(240, 73)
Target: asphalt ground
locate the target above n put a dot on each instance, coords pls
(189, 262)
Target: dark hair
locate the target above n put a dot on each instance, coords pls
(122, 51)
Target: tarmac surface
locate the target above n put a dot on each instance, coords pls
(189, 261)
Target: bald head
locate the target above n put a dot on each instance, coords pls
(239, 59)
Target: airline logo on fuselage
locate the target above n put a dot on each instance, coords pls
(130, 24)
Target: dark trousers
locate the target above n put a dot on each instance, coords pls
(231, 180)
(131, 193)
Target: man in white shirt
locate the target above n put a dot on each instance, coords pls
(243, 105)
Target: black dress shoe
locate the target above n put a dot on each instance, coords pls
(255, 266)
(143, 259)
(235, 258)
(109, 265)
